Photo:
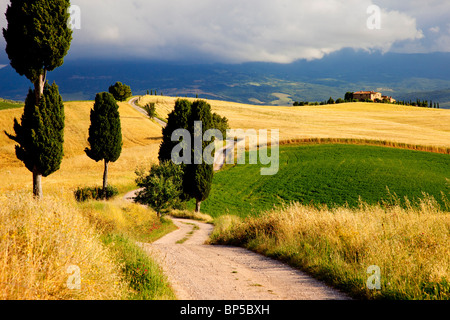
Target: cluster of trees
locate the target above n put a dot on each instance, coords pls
(347, 98)
(36, 46)
(150, 108)
(419, 103)
(321, 103)
(153, 93)
(168, 184)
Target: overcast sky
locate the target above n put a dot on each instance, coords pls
(252, 30)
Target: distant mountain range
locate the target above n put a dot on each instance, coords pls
(403, 76)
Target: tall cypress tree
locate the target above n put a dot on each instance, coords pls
(37, 39)
(40, 135)
(197, 178)
(178, 119)
(105, 133)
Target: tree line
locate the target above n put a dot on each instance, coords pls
(35, 47)
(349, 98)
(419, 103)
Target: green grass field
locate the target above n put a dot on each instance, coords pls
(329, 174)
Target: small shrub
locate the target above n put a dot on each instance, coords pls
(95, 193)
(150, 108)
(161, 188)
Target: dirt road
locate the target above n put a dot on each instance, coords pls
(205, 272)
(132, 102)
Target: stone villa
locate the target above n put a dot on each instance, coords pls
(371, 95)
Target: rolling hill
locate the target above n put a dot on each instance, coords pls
(401, 124)
(416, 126)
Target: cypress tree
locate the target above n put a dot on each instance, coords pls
(40, 135)
(197, 178)
(37, 39)
(177, 119)
(105, 133)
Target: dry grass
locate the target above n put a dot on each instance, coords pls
(39, 240)
(120, 216)
(188, 214)
(411, 246)
(123, 227)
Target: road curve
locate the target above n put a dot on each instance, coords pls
(204, 272)
(132, 102)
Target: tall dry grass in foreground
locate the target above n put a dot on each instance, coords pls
(39, 240)
(410, 246)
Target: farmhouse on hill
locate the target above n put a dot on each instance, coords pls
(371, 95)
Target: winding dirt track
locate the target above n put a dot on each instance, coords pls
(205, 272)
(132, 102)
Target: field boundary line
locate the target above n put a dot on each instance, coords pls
(371, 142)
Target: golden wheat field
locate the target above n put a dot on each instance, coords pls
(40, 240)
(141, 136)
(384, 122)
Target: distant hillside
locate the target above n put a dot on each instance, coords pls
(399, 75)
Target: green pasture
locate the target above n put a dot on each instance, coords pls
(332, 175)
